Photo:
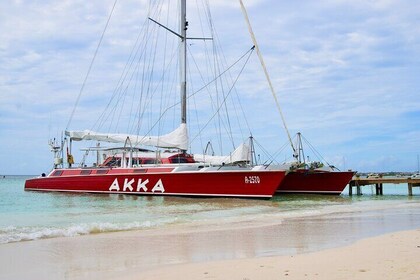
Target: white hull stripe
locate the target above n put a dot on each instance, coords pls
(150, 193)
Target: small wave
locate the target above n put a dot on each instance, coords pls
(16, 234)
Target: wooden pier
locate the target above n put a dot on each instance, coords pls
(358, 182)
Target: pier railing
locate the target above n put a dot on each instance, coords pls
(358, 182)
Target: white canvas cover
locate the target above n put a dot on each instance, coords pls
(175, 139)
(240, 154)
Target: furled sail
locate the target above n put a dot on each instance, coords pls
(175, 139)
(240, 154)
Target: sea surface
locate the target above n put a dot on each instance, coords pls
(28, 215)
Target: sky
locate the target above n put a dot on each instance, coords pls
(346, 74)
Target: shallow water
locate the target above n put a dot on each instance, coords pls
(36, 215)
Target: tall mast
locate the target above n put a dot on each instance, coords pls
(183, 60)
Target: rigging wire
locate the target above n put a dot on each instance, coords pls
(266, 153)
(203, 87)
(218, 67)
(280, 150)
(163, 72)
(224, 100)
(129, 123)
(314, 150)
(151, 85)
(223, 59)
(132, 57)
(124, 85)
(114, 109)
(90, 66)
(213, 66)
(196, 115)
(213, 103)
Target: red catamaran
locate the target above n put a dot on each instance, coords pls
(177, 174)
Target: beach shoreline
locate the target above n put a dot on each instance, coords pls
(145, 253)
(391, 256)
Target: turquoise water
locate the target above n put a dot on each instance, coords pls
(36, 215)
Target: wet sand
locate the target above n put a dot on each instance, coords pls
(262, 249)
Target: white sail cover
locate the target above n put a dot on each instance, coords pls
(175, 139)
(240, 154)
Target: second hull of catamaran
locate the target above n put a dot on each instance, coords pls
(317, 182)
(161, 181)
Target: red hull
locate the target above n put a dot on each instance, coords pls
(152, 182)
(304, 181)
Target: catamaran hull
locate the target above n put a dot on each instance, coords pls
(317, 182)
(221, 184)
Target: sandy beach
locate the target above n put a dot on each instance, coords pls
(391, 256)
(382, 244)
